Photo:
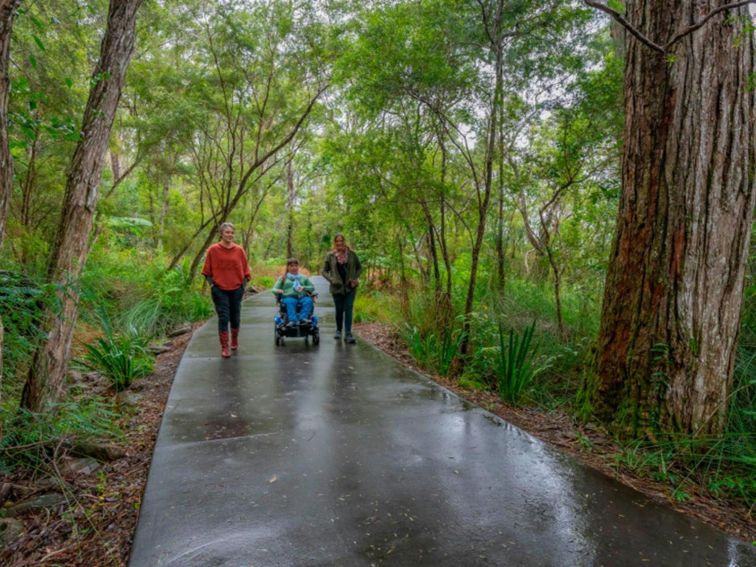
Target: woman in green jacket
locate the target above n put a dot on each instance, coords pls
(342, 269)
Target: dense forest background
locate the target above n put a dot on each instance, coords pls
(470, 151)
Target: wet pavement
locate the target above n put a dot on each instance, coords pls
(335, 455)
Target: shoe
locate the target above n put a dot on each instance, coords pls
(350, 340)
(234, 339)
(223, 336)
(337, 336)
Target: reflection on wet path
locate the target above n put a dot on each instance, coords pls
(335, 455)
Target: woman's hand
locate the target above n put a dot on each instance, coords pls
(353, 283)
(277, 291)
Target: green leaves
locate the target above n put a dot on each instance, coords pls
(616, 5)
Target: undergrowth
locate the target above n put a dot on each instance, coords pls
(516, 351)
(34, 441)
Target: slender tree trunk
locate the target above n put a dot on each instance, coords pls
(674, 288)
(7, 14)
(557, 290)
(403, 281)
(115, 165)
(500, 254)
(71, 247)
(163, 209)
(431, 237)
(290, 196)
(211, 235)
(442, 229)
(484, 203)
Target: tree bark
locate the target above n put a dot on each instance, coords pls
(674, 288)
(7, 14)
(291, 193)
(164, 204)
(71, 247)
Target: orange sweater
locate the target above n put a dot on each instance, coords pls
(227, 266)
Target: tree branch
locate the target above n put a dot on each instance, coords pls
(690, 29)
(624, 23)
(678, 36)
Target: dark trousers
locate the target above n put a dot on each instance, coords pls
(228, 307)
(344, 307)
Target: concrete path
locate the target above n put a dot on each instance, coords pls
(337, 456)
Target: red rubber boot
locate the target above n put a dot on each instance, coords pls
(234, 338)
(224, 344)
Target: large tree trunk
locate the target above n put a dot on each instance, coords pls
(71, 245)
(674, 289)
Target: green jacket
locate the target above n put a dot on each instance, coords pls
(330, 272)
(287, 286)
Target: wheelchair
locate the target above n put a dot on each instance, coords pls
(307, 329)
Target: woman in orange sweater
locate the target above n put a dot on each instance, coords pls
(227, 271)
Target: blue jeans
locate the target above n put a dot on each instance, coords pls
(291, 303)
(344, 306)
(227, 306)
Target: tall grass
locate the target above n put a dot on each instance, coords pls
(120, 357)
(435, 351)
(515, 368)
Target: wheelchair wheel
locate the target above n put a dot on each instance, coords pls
(316, 338)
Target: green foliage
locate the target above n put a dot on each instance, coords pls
(377, 306)
(263, 282)
(139, 296)
(22, 300)
(722, 464)
(435, 351)
(514, 369)
(121, 358)
(32, 439)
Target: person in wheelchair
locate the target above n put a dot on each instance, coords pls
(295, 293)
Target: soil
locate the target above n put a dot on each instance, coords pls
(587, 443)
(96, 526)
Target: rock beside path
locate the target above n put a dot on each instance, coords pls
(159, 349)
(84, 467)
(182, 330)
(41, 502)
(98, 450)
(10, 530)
